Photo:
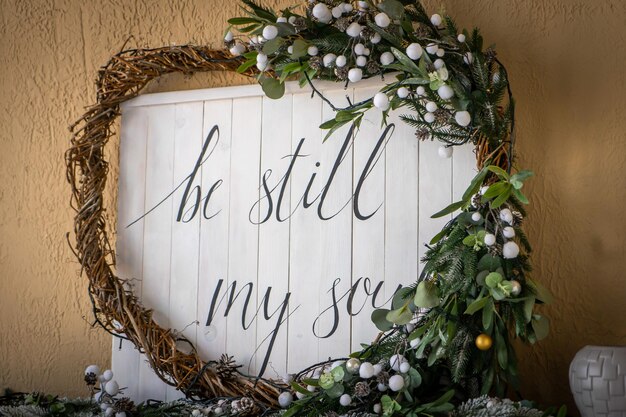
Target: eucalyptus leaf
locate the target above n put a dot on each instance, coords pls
(379, 318)
(426, 295)
(300, 48)
(501, 199)
(489, 263)
(488, 315)
(402, 315)
(450, 209)
(477, 305)
(520, 196)
(543, 294)
(272, 87)
(529, 304)
(336, 391)
(406, 62)
(541, 326)
(393, 8)
(498, 171)
(272, 46)
(494, 190)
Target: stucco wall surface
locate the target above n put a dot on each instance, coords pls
(566, 63)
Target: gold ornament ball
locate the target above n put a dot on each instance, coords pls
(484, 341)
(353, 365)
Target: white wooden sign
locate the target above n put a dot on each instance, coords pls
(252, 237)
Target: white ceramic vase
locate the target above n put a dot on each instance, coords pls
(597, 378)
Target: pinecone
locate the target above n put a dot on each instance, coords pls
(244, 406)
(495, 250)
(383, 378)
(422, 31)
(368, 33)
(316, 62)
(490, 55)
(341, 73)
(91, 379)
(372, 67)
(226, 367)
(342, 23)
(517, 218)
(422, 134)
(441, 116)
(229, 44)
(476, 201)
(362, 389)
(125, 405)
(299, 24)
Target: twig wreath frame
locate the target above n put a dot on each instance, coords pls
(456, 101)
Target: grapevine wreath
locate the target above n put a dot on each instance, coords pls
(446, 337)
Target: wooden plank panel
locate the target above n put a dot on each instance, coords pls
(335, 252)
(368, 254)
(157, 231)
(131, 193)
(185, 225)
(273, 215)
(243, 235)
(401, 207)
(214, 226)
(305, 268)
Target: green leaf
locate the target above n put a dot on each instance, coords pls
(501, 199)
(402, 315)
(272, 88)
(415, 378)
(247, 64)
(542, 293)
(336, 391)
(489, 263)
(488, 315)
(522, 175)
(416, 81)
(338, 373)
(293, 410)
(529, 304)
(285, 29)
(541, 326)
(299, 388)
(520, 196)
(243, 20)
(493, 279)
(494, 190)
(393, 8)
(406, 62)
(474, 185)
(299, 49)
(501, 351)
(345, 115)
(272, 46)
(426, 295)
(379, 318)
(440, 235)
(498, 171)
(477, 305)
(450, 209)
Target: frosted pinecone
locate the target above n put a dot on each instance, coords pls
(422, 134)
(244, 406)
(226, 366)
(316, 62)
(422, 31)
(495, 250)
(125, 405)
(91, 379)
(441, 116)
(372, 67)
(383, 378)
(517, 218)
(342, 23)
(341, 73)
(299, 24)
(362, 389)
(368, 33)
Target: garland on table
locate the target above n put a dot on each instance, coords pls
(447, 337)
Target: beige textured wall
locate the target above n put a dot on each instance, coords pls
(566, 61)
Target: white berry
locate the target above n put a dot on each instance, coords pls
(354, 30)
(439, 63)
(366, 370)
(109, 412)
(107, 375)
(490, 239)
(445, 92)
(262, 66)
(462, 118)
(285, 399)
(445, 151)
(436, 20)
(404, 367)
(229, 36)
(270, 32)
(312, 50)
(382, 387)
(506, 215)
(355, 75)
(396, 383)
(337, 11)
(261, 58)
(121, 414)
(290, 49)
(345, 400)
(321, 13)
(237, 49)
(347, 7)
(359, 49)
(376, 38)
(377, 408)
(420, 91)
(92, 369)
(386, 58)
(431, 106)
(196, 413)
(378, 368)
(440, 52)
(403, 92)
(432, 48)
(414, 51)
(112, 388)
(516, 287)
(508, 232)
(415, 342)
(281, 20)
(381, 101)
(395, 361)
(341, 61)
(429, 117)
(292, 19)
(361, 61)
(382, 20)
(329, 59)
(461, 38)
(510, 250)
